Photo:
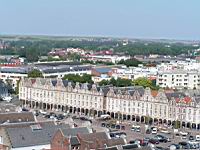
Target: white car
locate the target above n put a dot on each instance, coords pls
(154, 131)
(183, 133)
(164, 131)
(197, 137)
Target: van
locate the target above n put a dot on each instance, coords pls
(154, 131)
(197, 137)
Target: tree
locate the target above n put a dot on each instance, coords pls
(118, 83)
(35, 74)
(104, 82)
(77, 78)
(130, 62)
(142, 81)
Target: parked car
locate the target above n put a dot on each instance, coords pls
(161, 138)
(154, 131)
(197, 137)
(184, 145)
(24, 109)
(163, 130)
(107, 125)
(135, 128)
(175, 145)
(191, 138)
(148, 131)
(153, 141)
(122, 127)
(113, 126)
(60, 117)
(117, 126)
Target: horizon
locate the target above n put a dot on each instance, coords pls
(176, 20)
(93, 36)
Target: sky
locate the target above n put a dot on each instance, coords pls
(170, 19)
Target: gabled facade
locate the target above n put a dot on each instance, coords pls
(130, 103)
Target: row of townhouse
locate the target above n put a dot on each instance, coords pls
(129, 103)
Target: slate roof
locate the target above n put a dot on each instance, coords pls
(74, 141)
(94, 136)
(57, 63)
(175, 95)
(75, 131)
(131, 90)
(102, 70)
(15, 117)
(21, 70)
(63, 69)
(31, 136)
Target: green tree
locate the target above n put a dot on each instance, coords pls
(35, 74)
(77, 78)
(142, 81)
(104, 82)
(130, 62)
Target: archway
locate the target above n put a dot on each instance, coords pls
(59, 107)
(142, 119)
(66, 108)
(63, 108)
(194, 126)
(55, 107)
(133, 118)
(137, 119)
(188, 125)
(82, 111)
(169, 122)
(44, 106)
(86, 112)
(116, 116)
(108, 113)
(99, 113)
(41, 106)
(112, 115)
(48, 106)
(120, 116)
(151, 121)
(78, 110)
(128, 117)
(95, 112)
(74, 111)
(155, 120)
(160, 121)
(124, 116)
(183, 124)
(198, 126)
(70, 109)
(165, 121)
(51, 106)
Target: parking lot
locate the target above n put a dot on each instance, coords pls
(122, 128)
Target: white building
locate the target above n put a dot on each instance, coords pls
(129, 103)
(179, 79)
(13, 74)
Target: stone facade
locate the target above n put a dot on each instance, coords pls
(129, 103)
